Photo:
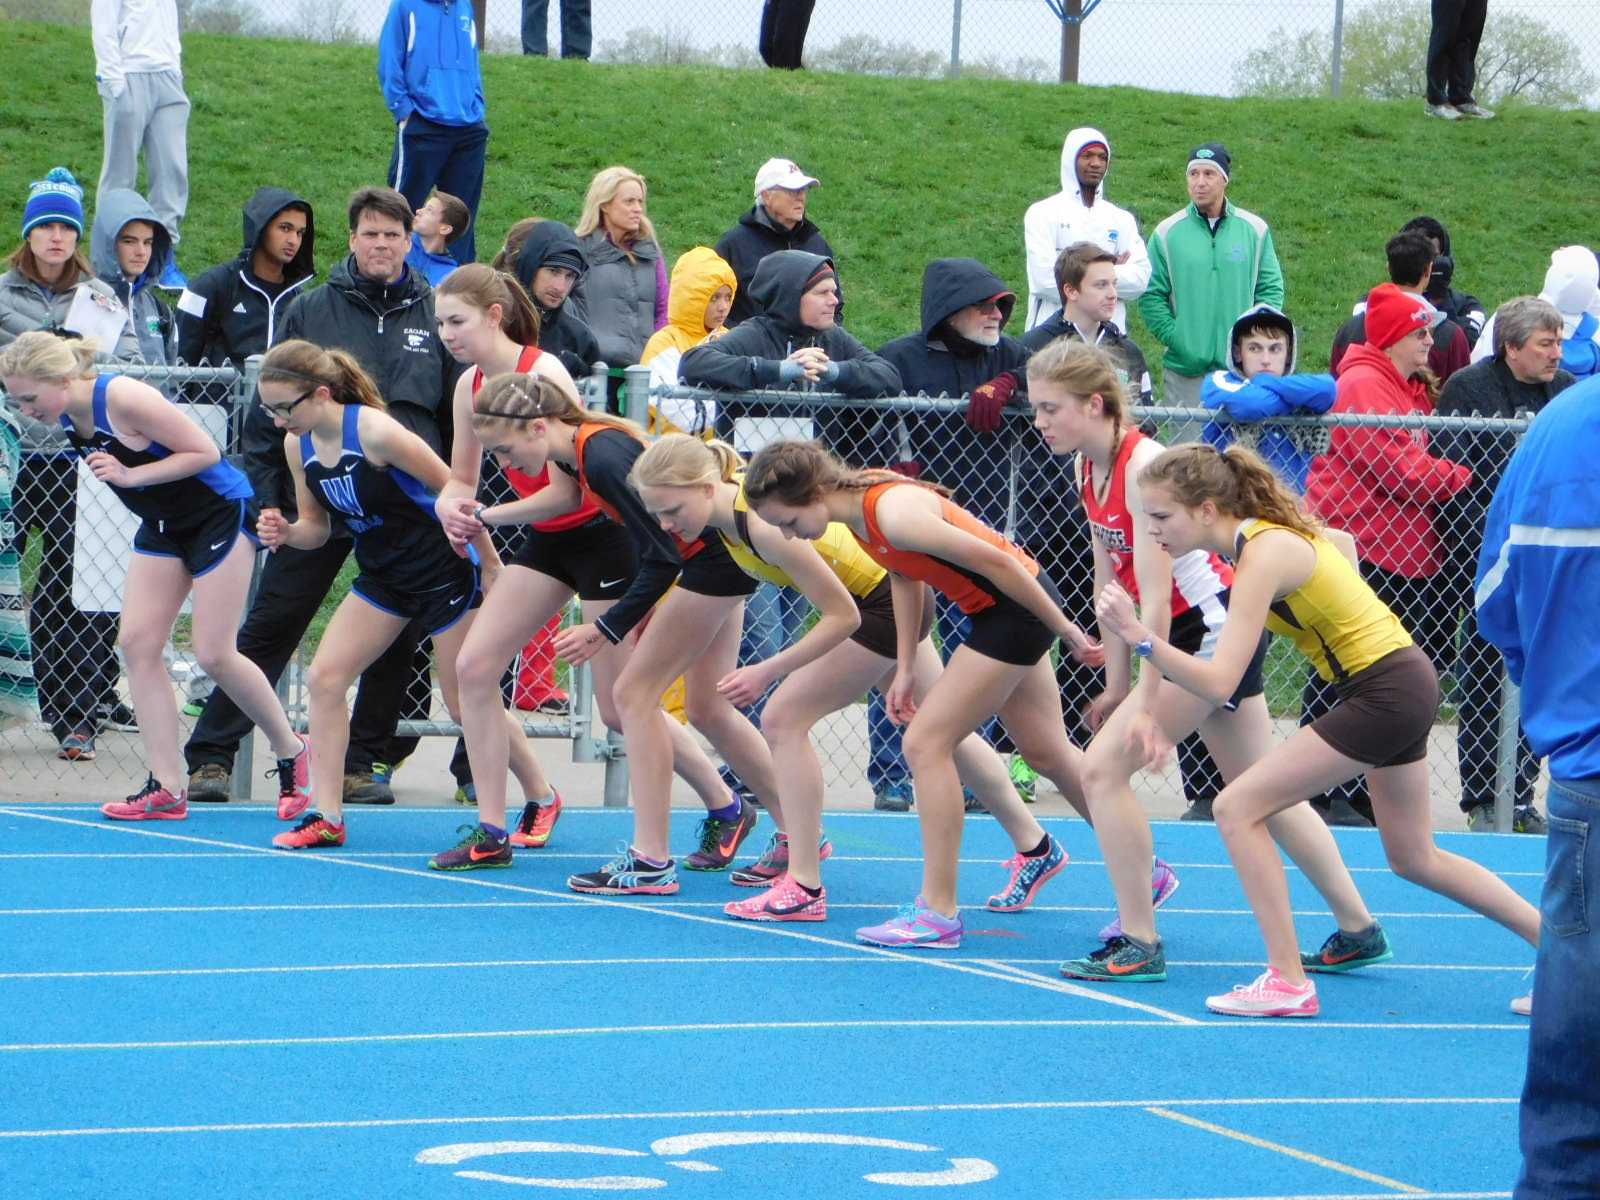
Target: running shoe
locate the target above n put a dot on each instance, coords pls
(467, 794)
(894, 797)
(152, 802)
(1163, 882)
(1349, 951)
(720, 840)
(970, 802)
(294, 782)
(785, 900)
(1024, 778)
(1270, 995)
(774, 861)
(915, 926)
(1028, 875)
(77, 746)
(1523, 1005)
(537, 822)
(479, 848)
(626, 875)
(314, 832)
(1121, 960)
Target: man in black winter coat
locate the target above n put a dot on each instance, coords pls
(548, 260)
(776, 222)
(381, 312)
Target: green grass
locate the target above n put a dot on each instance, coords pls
(911, 169)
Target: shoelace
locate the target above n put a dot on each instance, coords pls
(530, 816)
(310, 819)
(150, 788)
(711, 834)
(476, 835)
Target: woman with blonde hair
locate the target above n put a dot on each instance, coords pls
(623, 298)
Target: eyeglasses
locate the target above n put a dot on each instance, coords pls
(283, 410)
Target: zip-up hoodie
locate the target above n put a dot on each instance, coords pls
(229, 313)
(754, 237)
(428, 62)
(148, 312)
(1538, 580)
(561, 331)
(1288, 451)
(1054, 223)
(132, 37)
(1572, 284)
(1381, 485)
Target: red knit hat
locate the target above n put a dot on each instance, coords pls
(1392, 313)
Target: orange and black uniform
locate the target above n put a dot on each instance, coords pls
(1001, 628)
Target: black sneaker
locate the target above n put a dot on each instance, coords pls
(1528, 820)
(1349, 951)
(626, 875)
(1199, 810)
(1480, 818)
(1121, 960)
(1342, 814)
(895, 797)
(117, 715)
(479, 848)
(720, 840)
(364, 789)
(210, 783)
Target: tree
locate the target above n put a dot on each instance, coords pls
(1385, 54)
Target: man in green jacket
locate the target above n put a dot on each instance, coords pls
(1209, 262)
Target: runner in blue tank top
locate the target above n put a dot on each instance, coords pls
(166, 470)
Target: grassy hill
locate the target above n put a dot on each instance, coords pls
(911, 170)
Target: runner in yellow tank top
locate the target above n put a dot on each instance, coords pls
(1299, 579)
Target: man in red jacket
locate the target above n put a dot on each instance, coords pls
(1381, 485)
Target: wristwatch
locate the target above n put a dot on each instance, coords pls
(1145, 648)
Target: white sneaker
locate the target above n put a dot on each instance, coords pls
(1473, 109)
(1523, 1005)
(1444, 112)
(1269, 996)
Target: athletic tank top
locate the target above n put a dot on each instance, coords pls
(837, 546)
(1196, 576)
(182, 501)
(589, 429)
(1334, 618)
(970, 592)
(521, 482)
(388, 511)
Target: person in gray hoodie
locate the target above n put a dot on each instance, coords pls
(129, 249)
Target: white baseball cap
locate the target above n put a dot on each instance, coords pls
(782, 173)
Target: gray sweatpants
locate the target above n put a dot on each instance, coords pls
(151, 114)
(1181, 391)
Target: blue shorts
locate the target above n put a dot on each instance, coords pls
(437, 608)
(201, 543)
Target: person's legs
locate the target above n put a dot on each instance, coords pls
(577, 33)
(791, 20)
(123, 124)
(1479, 674)
(535, 22)
(461, 174)
(166, 150)
(1182, 391)
(420, 150)
(736, 739)
(887, 773)
(952, 628)
(1560, 1115)
(1463, 67)
(155, 590)
(384, 692)
(1442, 37)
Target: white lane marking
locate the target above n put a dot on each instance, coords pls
(962, 1171)
(1058, 984)
(459, 1152)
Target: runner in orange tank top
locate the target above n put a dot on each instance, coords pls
(1003, 669)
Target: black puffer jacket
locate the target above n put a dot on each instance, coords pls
(561, 331)
(751, 240)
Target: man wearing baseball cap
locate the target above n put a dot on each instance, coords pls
(1208, 263)
(776, 222)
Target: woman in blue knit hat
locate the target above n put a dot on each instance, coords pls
(75, 656)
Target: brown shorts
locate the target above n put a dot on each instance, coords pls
(1385, 712)
(877, 629)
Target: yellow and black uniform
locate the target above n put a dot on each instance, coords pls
(864, 579)
(1001, 628)
(1388, 690)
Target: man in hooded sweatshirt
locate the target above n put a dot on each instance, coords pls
(548, 260)
(1410, 256)
(777, 221)
(1572, 285)
(1465, 309)
(1080, 212)
(129, 249)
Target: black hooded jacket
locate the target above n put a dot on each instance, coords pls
(227, 313)
(938, 361)
(561, 332)
(389, 328)
(751, 240)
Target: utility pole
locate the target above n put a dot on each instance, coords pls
(480, 15)
(955, 40)
(1338, 46)
(1071, 39)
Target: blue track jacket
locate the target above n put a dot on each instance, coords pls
(428, 62)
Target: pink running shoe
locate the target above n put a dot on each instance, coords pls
(774, 861)
(294, 782)
(916, 925)
(152, 802)
(785, 900)
(1269, 996)
(1163, 882)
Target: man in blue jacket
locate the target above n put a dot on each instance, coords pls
(428, 66)
(1538, 584)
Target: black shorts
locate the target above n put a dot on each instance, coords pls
(1009, 633)
(1195, 631)
(712, 572)
(876, 631)
(597, 559)
(1385, 712)
(437, 607)
(200, 544)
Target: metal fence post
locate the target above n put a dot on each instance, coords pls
(1337, 65)
(244, 759)
(636, 402)
(955, 40)
(1506, 764)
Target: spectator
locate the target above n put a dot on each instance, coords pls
(382, 313)
(138, 67)
(130, 249)
(428, 68)
(547, 260)
(1524, 375)
(1263, 384)
(1382, 486)
(19, 694)
(439, 223)
(231, 311)
(1465, 309)
(1206, 261)
(1453, 59)
(1537, 584)
(75, 654)
(1410, 258)
(1572, 286)
(783, 32)
(1079, 212)
(702, 293)
(623, 298)
(577, 34)
(777, 221)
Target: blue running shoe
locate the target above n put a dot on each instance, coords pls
(1028, 875)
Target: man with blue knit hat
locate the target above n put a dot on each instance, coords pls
(1208, 262)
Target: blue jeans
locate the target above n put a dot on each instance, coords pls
(886, 762)
(1560, 1100)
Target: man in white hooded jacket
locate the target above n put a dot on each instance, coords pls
(1080, 212)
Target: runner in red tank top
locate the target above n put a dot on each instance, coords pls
(1002, 669)
(1079, 407)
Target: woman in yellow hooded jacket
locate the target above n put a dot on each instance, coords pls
(698, 301)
